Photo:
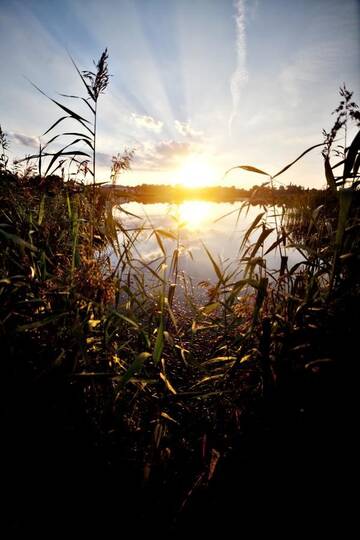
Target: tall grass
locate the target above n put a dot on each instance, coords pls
(165, 384)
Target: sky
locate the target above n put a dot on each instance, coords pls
(197, 86)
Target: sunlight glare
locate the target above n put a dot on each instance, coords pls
(196, 172)
(194, 214)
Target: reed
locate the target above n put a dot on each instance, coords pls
(162, 381)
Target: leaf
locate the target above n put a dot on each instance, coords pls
(73, 114)
(237, 287)
(274, 244)
(219, 359)
(297, 159)
(168, 417)
(135, 367)
(82, 99)
(167, 234)
(351, 155)
(152, 271)
(329, 174)
(159, 343)
(260, 297)
(174, 261)
(17, 240)
(55, 124)
(82, 135)
(315, 365)
(168, 384)
(90, 92)
(248, 168)
(356, 166)
(338, 164)
(345, 199)
(207, 379)
(41, 210)
(42, 322)
(210, 308)
(262, 237)
(250, 229)
(126, 319)
(160, 243)
(62, 153)
(93, 323)
(215, 266)
(215, 456)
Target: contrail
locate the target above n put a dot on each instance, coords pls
(240, 76)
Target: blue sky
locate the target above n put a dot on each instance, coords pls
(197, 86)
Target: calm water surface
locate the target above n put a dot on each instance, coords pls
(217, 225)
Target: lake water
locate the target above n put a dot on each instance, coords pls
(218, 226)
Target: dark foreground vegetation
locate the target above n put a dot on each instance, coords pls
(126, 409)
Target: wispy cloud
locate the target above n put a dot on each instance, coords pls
(147, 122)
(240, 75)
(25, 140)
(185, 129)
(164, 155)
(308, 68)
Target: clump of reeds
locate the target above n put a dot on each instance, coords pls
(163, 384)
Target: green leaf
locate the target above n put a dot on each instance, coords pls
(42, 322)
(135, 367)
(41, 210)
(210, 308)
(126, 319)
(159, 343)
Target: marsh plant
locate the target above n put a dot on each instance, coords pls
(4, 144)
(95, 83)
(163, 389)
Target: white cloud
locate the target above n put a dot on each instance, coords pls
(25, 140)
(185, 129)
(164, 155)
(147, 122)
(240, 76)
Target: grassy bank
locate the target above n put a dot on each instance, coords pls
(107, 375)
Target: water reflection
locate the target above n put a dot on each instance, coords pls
(194, 223)
(195, 214)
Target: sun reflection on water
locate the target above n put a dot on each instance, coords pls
(193, 215)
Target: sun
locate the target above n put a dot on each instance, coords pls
(196, 172)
